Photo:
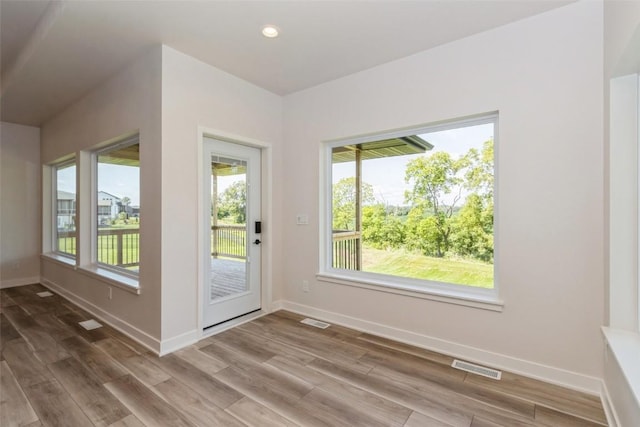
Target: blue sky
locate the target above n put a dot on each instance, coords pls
(118, 180)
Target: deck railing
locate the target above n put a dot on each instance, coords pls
(118, 247)
(67, 242)
(229, 241)
(346, 250)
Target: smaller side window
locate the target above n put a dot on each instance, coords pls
(64, 209)
(117, 209)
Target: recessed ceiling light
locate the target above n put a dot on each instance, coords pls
(270, 31)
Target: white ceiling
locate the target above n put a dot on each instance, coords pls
(55, 52)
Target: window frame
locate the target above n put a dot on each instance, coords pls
(54, 208)
(128, 278)
(446, 292)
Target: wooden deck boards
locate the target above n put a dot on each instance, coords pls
(273, 371)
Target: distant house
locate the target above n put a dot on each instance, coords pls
(66, 210)
(108, 207)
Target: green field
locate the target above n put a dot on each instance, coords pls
(413, 265)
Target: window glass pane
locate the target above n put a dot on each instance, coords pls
(118, 207)
(417, 207)
(65, 206)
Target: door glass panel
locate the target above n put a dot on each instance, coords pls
(228, 227)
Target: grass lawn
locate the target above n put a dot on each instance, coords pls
(413, 265)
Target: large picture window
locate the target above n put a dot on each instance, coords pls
(414, 208)
(64, 209)
(117, 213)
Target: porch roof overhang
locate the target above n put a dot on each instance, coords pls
(401, 146)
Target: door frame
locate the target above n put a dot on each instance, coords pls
(266, 261)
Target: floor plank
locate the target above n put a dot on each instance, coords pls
(98, 362)
(146, 405)
(196, 408)
(86, 389)
(27, 369)
(15, 409)
(420, 420)
(207, 386)
(203, 361)
(549, 395)
(553, 418)
(54, 406)
(254, 414)
(378, 407)
(128, 421)
(51, 324)
(7, 333)
(139, 365)
(45, 348)
(437, 407)
(19, 318)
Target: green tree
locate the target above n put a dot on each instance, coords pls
(473, 229)
(436, 179)
(123, 215)
(344, 202)
(125, 201)
(232, 203)
(479, 174)
(380, 228)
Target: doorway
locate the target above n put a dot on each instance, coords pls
(232, 266)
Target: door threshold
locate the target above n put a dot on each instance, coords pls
(234, 321)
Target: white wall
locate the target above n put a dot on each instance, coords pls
(197, 96)
(544, 75)
(19, 205)
(128, 102)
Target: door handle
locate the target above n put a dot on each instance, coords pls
(257, 242)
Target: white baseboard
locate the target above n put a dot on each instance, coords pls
(572, 380)
(10, 283)
(176, 343)
(609, 409)
(275, 306)
(131, 331)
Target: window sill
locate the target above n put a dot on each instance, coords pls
(112, 278)
(625, 346)
(60, 259)
(450, 296)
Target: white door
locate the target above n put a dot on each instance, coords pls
(232, 208)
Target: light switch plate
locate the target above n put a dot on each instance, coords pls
(302, 219)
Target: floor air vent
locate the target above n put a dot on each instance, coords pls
(477, 369)
(90, 324)
(316, 323)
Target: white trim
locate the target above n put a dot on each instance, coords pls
(444, 293)
(609, 409)
(60, 259)
(549, 374)
(21, 281)
(440, 291)
(126, 328)
(266, 149)
(111, 278)
(625, 347)
(176, 343)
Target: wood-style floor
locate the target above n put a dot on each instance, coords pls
(273, 371)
